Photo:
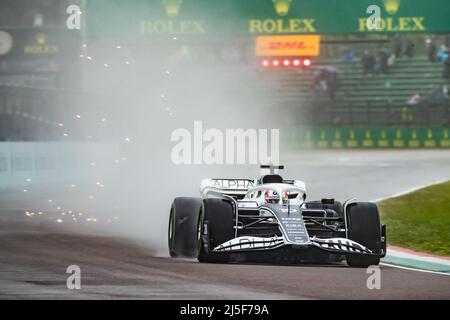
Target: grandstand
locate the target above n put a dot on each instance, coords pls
(379, 100)
(175, 56)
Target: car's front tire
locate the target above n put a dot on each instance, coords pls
(183, 227)
(363, 223)
(217, 215)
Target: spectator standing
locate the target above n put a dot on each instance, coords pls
(447, 68)
(431, 50)
(398, 45)
(384, 57)
(443, 53)
(326, 80)
(391, 60)
(409, 48)
(368, 63)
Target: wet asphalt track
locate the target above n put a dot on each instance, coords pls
(34, 255)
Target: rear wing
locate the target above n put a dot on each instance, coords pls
(271, 167)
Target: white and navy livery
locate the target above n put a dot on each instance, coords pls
(269, 219)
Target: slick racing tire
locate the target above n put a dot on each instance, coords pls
(217, 215)
(183, 227)
(363, 222)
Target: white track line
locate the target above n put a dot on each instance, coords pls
(416, 256)
(413, 269)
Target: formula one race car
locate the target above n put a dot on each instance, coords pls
(269, 219)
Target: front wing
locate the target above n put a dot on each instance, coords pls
(332, 245)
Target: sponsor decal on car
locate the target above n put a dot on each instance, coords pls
(240, 184)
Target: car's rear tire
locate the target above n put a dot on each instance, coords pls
(218, 215)
(363, 223)
(183, 227)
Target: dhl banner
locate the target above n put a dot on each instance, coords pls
(288, 45)
(348, 138)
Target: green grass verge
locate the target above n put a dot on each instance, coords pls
(419, 220)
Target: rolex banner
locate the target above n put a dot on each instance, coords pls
(146, 18)
(27, 50)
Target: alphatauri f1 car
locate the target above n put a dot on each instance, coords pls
(269, 219)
